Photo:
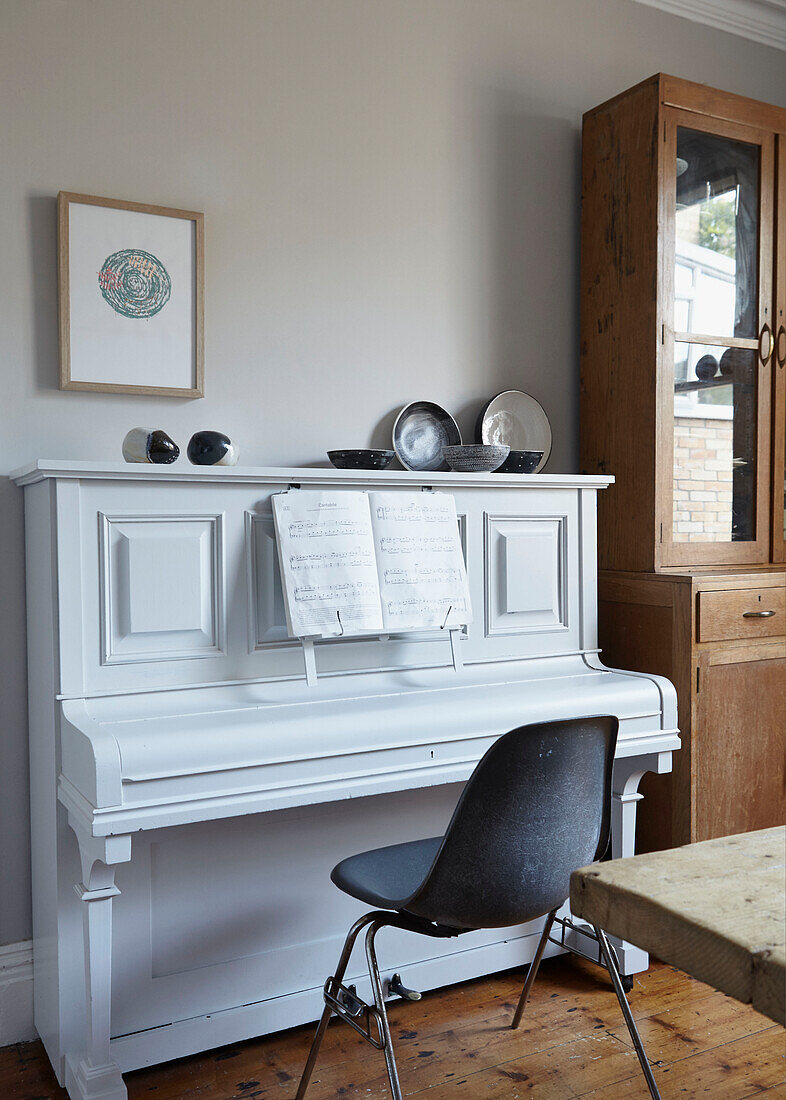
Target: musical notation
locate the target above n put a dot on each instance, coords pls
(328, 564)
(413, 513)
(328, 529)
(421, 606)
(360, 563)
(326, 594)
(418, 545)
(421, 568)
(446, 574)
(334, 560)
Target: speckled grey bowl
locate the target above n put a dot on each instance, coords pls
(366, 458)
(476, 458)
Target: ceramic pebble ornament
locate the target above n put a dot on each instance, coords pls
(706, 368)
(149, 445)
(212, 449)
(734, 360)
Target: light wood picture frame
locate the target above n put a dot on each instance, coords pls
(131, 297)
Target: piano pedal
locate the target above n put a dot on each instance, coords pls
(350, 1002)
(396, 988)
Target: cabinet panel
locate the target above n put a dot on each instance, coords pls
(739, 744)
(741, 613)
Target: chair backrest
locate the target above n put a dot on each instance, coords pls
(536, 808)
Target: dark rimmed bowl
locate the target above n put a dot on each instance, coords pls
(421, 431)
(515, 418)
(361, 459)
(521, 462)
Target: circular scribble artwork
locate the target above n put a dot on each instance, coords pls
(134, 283)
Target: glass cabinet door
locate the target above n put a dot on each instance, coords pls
(718, 194)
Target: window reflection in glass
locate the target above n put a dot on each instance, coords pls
(717, 229)
(714, 482)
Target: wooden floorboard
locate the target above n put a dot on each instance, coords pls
(457, 1043)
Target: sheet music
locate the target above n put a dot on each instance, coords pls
(328, 569)
(422, 577)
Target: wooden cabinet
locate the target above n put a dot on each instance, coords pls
(683, 399)
(690, 626)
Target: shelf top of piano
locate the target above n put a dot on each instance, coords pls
(181, 471)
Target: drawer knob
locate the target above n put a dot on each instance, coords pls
(757, 614)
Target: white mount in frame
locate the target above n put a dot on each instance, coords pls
(131, 297)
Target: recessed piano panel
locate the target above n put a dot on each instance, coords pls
(209, 917)
(161, 587)
(267, 617)
(526, 574)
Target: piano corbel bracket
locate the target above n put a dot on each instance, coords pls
(99, 856)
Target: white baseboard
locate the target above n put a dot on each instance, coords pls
(16, 993)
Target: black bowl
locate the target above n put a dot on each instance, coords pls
(420, 432)
(520, 462)
(367, 459)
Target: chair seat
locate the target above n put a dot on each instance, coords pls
(386, 877)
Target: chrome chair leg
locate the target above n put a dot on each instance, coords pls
(533, 969)
(379, 1000)
(342, 1001)
(611, 965)
(327, 1012)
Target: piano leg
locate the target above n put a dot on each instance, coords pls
(625, 796)
(93, 1075)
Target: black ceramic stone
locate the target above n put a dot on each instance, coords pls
(706, 368)
(148, 445)
(211, 449)
(161, 449)
(735, 362)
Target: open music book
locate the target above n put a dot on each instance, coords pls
(366, 563)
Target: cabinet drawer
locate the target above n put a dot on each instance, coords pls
(741, 613)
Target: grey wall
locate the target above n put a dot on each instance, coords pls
(391, 200)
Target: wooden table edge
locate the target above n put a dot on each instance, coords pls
(757, 978)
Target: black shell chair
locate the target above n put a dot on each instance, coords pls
(535, 809)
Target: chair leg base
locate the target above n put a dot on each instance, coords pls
(327, 1012)
(633, 1031)
(335, 995)
(344, 1002)
(533, 969)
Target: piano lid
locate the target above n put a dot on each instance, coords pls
(167, 758)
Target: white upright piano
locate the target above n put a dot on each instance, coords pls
(190, 790)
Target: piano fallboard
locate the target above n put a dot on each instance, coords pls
(188, 758)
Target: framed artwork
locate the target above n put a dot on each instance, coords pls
(131, 297)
